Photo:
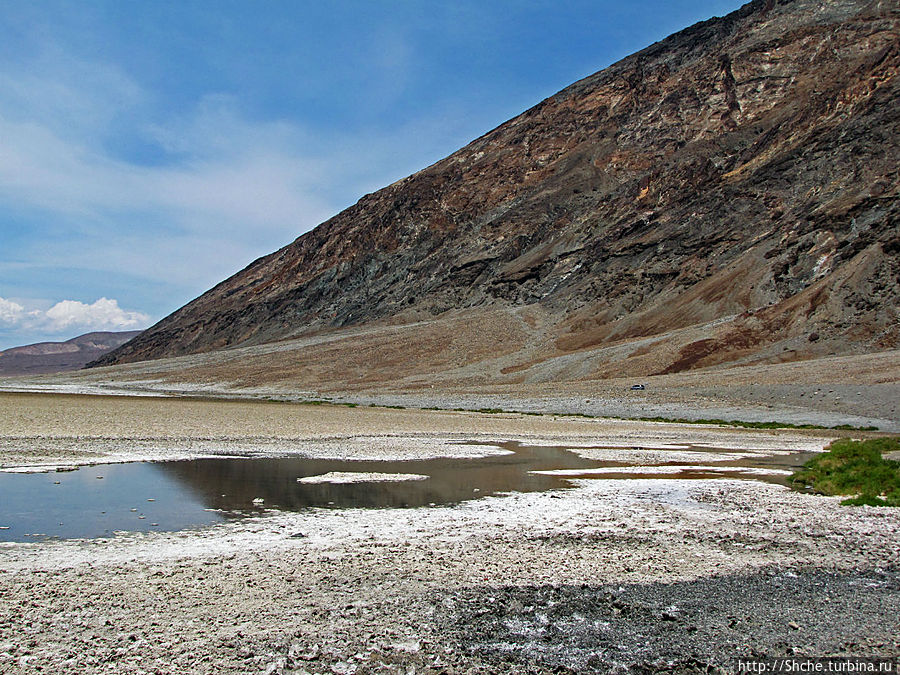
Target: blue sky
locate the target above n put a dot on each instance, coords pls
(150, 149)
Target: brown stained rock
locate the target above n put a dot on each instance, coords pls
(744, 167)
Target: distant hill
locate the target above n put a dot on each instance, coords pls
(56, 357)
(727, 195)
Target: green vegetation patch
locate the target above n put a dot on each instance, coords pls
(319, 401)
(754, 425)
(855, 468)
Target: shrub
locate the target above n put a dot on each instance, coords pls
(855, 468)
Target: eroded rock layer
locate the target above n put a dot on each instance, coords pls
(742, 171)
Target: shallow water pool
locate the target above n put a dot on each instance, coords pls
(100, 500)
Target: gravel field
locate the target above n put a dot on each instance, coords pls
(646, 575)
(861, 390)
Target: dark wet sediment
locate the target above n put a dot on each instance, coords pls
(693, 626)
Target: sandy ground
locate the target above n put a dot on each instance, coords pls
(672, 575)
(41, 431)
(861, 390)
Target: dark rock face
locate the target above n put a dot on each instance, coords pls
(56, 357)
(745, 167)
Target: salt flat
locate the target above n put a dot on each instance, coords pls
(443, 589)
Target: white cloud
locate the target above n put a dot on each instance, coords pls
(10, 312)
(71, 315)
(104, 314)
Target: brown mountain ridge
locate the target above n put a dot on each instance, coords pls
(727, 195)
(57, 357)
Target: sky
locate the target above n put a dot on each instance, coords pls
(149, 150)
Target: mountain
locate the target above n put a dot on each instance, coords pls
(56, 357)
(728, 195)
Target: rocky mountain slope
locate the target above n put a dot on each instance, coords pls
(727, 195)
(56, 357)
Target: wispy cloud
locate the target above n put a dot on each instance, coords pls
(221, 189)
(210, 174)
(260, 179)
(68, 95)
(207, 190)
(106, 174)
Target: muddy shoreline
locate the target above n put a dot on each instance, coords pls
(640, 574)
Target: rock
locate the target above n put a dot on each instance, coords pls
(675, 188)
(57, 357)
(277, 666)
(298, 653)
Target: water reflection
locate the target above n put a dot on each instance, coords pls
(233, 484)
(97, 501)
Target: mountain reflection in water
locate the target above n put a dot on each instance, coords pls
(233, 484)
(175, 495)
